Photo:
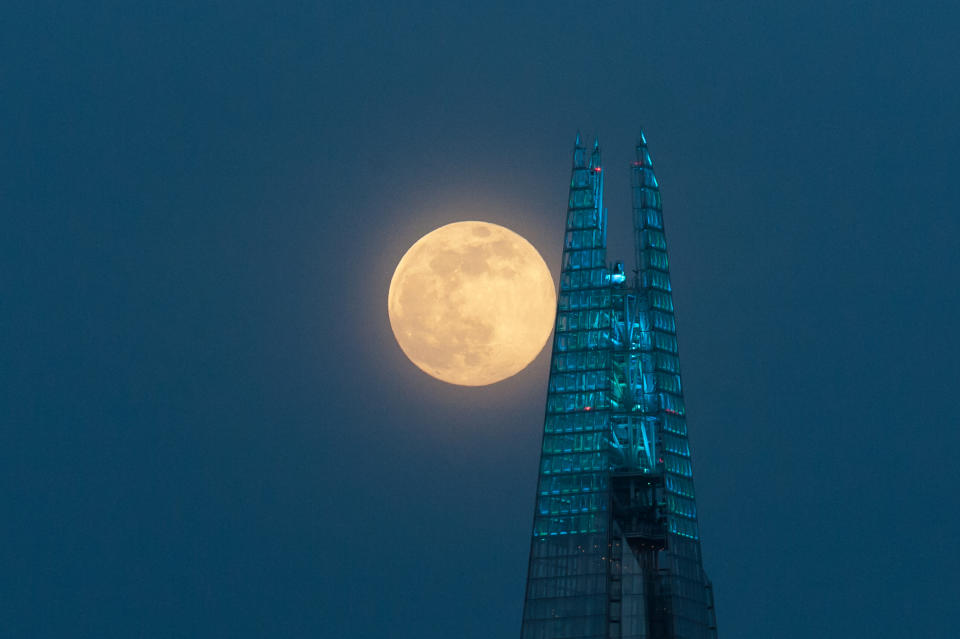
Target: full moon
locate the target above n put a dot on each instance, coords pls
(471, 303)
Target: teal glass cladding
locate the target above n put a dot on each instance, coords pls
(615, 552)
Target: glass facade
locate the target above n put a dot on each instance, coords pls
(615, 552)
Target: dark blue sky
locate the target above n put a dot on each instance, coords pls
(207, 429)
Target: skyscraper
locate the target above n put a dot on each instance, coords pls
(615, 552)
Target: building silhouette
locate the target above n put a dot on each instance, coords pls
(615, 552)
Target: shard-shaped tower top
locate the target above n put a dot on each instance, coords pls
(615, 552)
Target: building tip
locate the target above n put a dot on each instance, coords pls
(577, 142)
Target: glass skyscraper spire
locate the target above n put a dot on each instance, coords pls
(615, 552)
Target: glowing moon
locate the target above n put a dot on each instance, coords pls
(471, 303)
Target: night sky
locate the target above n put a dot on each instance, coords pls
(208, 429)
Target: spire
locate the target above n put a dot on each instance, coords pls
(649, 243)
(579, 159)
(585, 209)
(643, 155)
(594, 164)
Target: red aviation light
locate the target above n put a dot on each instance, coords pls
(597, 169)
(588, 408)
